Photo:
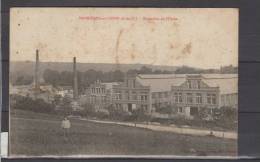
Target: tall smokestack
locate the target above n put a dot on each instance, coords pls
(36, 72)
(75, 79)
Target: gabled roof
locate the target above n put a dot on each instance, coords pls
(158, 84)
(228, 83)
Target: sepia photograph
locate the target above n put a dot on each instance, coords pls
(123, 82)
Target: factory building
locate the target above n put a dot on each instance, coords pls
(188, 93)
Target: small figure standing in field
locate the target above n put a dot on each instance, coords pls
(65, 125)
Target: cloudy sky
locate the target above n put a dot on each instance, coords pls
(205, 38)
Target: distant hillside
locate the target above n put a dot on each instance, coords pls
(23, 72)
(65, 66)
(27, 67)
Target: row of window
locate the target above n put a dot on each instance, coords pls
(118, 96)
(211, 98)
(160, 95)
(98, 90)
(119, 106)
(178, 97)
(228, 100)
(130, 82)
(194, 84)
(95, 99)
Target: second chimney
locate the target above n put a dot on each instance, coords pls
(36, 72)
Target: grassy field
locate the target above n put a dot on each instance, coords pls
(38, 134)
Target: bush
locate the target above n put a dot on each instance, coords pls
(140, 115)
(37, 105)
(166, 110)
(88, 110)
(226, 117)
(118, 114)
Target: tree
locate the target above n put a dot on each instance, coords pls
(65, 78)
(157, 71)
(117, 113)
(66, 105)
(24, 80)
(187, 70)
(57, 100)
(118, 76)
(88, 110)
(165, 110)
(52, 77)
(229, 69)
(140, 115)
(132, 71)
(204, 113)
(145, 70)
(37, 105)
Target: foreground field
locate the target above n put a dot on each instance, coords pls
(38, 134)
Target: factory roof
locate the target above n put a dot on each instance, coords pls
(228, 83)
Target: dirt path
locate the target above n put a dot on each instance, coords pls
(174, 129)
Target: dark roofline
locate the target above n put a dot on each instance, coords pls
(187, 75)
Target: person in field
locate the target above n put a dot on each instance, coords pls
(65, 125)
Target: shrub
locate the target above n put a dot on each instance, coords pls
(88, 110)
(118, 114)
(166, 109)
(37, 105)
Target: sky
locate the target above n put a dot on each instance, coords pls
(203, 38)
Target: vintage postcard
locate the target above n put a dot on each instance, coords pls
(123, 82)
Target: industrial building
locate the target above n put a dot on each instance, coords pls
(190, 92)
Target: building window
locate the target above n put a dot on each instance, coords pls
(134, 95)
(134, 83)
(144, 97)
(118, 106)
(178, 97)
(126, 82)
(211, 98)
(198, 98)
(198, 83)
(153, 95)
(180, 110)
(118, 95)
(127, 96)
(189, 98)
(144, 107)
(189, 84)
(103, 98)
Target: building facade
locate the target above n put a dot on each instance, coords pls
(194, 94)
(188, 93)
(131, 95)
(100, 94)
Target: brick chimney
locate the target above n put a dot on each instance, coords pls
(36, 72)
(75, 79)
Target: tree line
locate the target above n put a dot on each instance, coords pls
(65, 78)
